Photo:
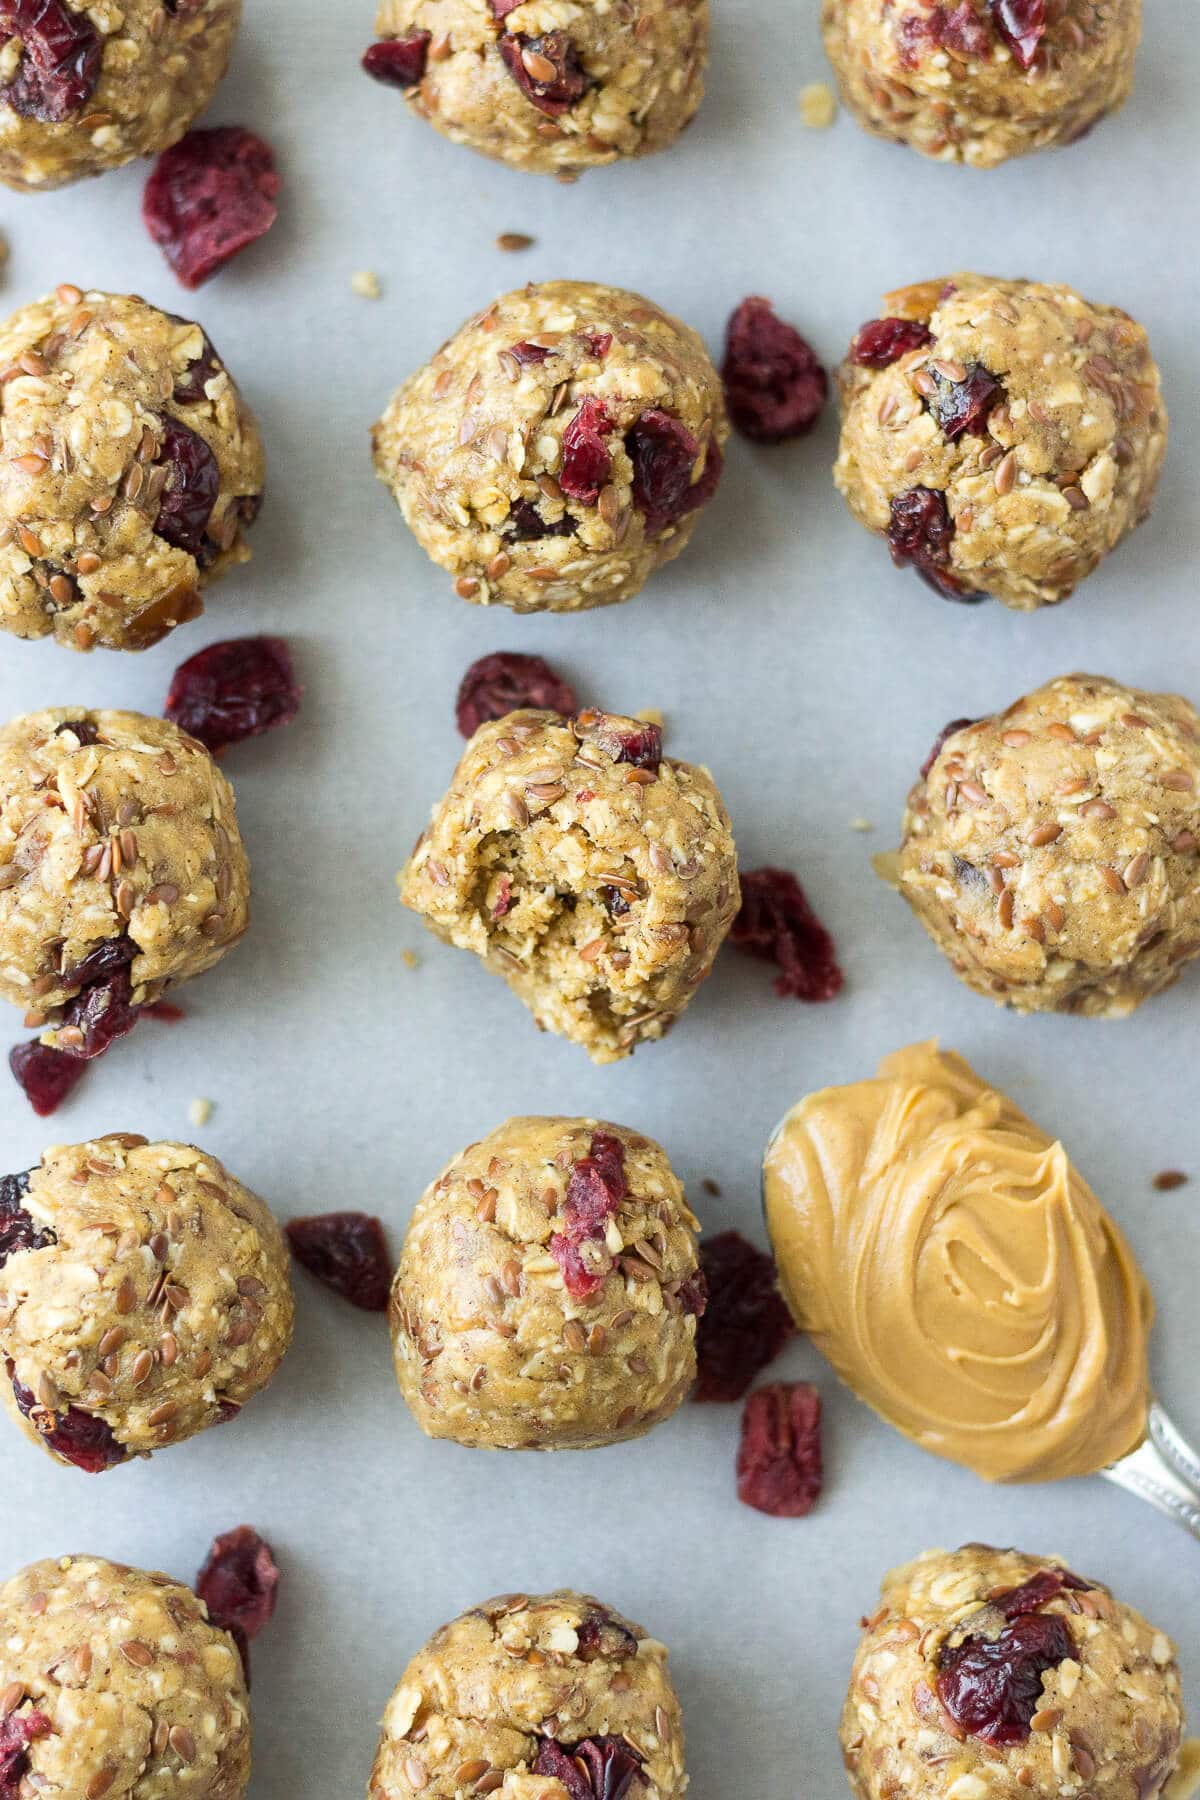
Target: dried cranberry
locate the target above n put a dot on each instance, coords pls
(601, 1768)
(529, 354)
(1034, 1593)
(599, 343)
(547, 69)
(79, 1437)
(991, 1687)
(399, 62)
(622, 740)
(17, 1731)
(881, 342)
(348, 1252)
(503, 683)
(165, 1010)
(920, 533)
(193, 483)
(209, 196)
(109, 955)
(960, 30)
(102, 1012)
(746, 1323)
(774, 386)
(963, 406)
(1022, 25)
(83, 729)
(525, 523)
(46, 1075)
(234, 690)
(595, 1190)
(600, 1637)
(17, 1229)
(693, 1295)
(941, 740)
(586, 463)
(779, 1468)
(502, 8)
(776, 923)
(664, 454)
(60, 61)
(238, 1583)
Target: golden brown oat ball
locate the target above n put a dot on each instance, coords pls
(558, 449)
(547, 85)
(992, 1675)
(144, 1295)
(1003, 436)
(119, 1686)
(87, 88)
(129, 468)
(548, 1290)
(978, 81)
(525, 1688)
(1052, 851)
(598, 878)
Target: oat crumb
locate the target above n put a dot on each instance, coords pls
(861, 825)
(199, 1111)
(366, 284)
(1166, 1179)
(410, 959)
(514, 240)
(818, 106)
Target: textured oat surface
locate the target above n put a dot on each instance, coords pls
(1052, 852)
(1108, 1723)
(474, 440)
(490, 1685)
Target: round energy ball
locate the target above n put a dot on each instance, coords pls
(120, 859)
(144, 1295)
(989, 1671)
(1052, 851)
(87, 88)
(129, 467)
(596, 877)
(978, 81)
(1003, 436)
(558, 449)
(530, 1689)
(547, 87)
(119, 1686)
(548, 1290)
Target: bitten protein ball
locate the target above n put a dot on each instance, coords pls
(121, 868)
(115, 1683)
(1003, 436)
(547, 87)
(538, 1697)
(129, 467)
(558, 449)
(87, 88)
(992, 1672)
(548, 1291)
(598, 878)
(978, 81)
(144, 1294)
(1052, 851)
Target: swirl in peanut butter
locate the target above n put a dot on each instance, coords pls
(958, 1273)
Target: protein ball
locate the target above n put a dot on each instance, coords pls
(144, 1295)
(548, 1290)
(598, 878)
(546, 87)
(558, 449)
(122, 1686)
(524, 1693)
(129, 466)
(1052, 851)
(979, 81)
(992, 1671)
(120, 858)
(1003, 436)
(85, 89)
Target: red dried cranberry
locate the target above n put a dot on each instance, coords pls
(1034, 1593)
(774, 386)
(193, 483)
(209, 196)
(941, 740)
(109, 955)
(599, 343)
(503, 900)
(46, 1075)
(103, 1011)
(530, 355)
(586, 463)
(961, 30)
(601, 1768)
(595, 1190)
(615, 903)
(1022, 25)
(881, 342)
(920, 533)
(963, 406)
(776, 923)
(17, 1229)
(17, 1731)
(238, 1583)
(547, 69)
(525, 523)
(60, 61)
(348, 1252)
(83, 729)
(79, 1437)
(502, 8)
(745, 1324)
(399, 62)
(600, 1637)
(234, 690)
(991, 1687)
(693, 1295)
(503, 683)
(165, 1010)
(622, 740)
(779, 1469)
(664, 454)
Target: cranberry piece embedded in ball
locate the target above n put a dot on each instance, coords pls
(664, 455)
(60, 60)
(399, 62)
(881, 342)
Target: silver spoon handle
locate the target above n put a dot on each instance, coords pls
(1164, 1469)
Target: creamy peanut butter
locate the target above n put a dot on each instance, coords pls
(958, 1273)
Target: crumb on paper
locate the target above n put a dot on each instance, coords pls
(711, 1187)
(514, 240)
(199, 1111)
(3, 250)
(861, 825)
(1168, 1179)
(818, 106)
(366, 284)
(410, 959)
(650, 715)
